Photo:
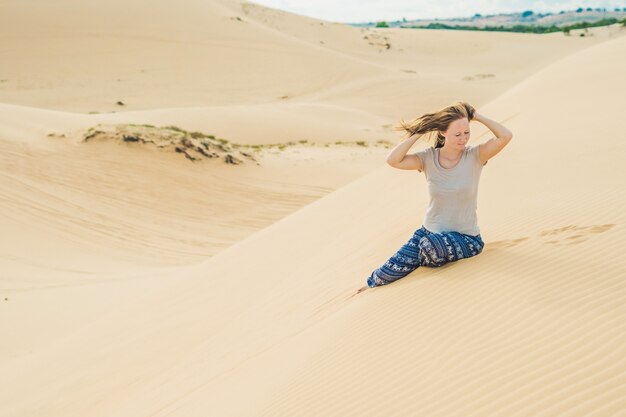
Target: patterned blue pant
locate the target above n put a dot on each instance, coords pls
(426, 248)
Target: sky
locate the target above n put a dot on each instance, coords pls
(357, 11)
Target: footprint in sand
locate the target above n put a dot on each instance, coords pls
(572, 234)
(478, 77)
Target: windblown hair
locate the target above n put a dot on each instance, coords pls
(438, 121)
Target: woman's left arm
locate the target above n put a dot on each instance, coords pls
(494, 145)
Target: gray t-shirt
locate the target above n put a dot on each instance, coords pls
(453, 192)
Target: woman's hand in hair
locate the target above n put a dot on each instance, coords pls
(471, 111)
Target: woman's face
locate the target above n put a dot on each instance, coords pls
(458, 133)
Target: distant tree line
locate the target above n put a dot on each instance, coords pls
(523, 28)
(520, 27)
(598, 9)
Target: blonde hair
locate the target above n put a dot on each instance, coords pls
(438, 121)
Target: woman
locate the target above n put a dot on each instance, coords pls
(449, 230)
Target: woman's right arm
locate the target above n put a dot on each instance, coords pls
(398, 157)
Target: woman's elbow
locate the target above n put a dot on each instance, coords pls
(391, 162)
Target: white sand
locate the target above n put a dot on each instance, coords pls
(137, 283)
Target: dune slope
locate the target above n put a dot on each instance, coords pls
(269, 326)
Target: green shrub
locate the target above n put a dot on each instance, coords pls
(197, 135)
(175, 128)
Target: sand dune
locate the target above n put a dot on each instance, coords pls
(76, 207)
(199, 58)
(135, 282)
(95, 203)
(270, 326)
